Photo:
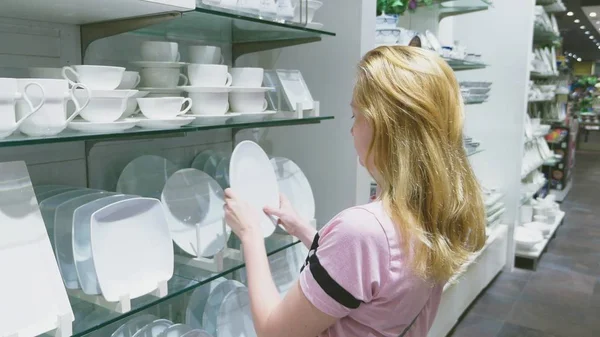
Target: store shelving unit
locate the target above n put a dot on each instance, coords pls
(529, 259)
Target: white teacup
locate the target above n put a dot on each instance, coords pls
(248, 101)
(51, 119)
(209, 103)
(95, 77)
(45, 72)
(163, 107)
(160, 51)
(205, 55)
(132, 105)
(9, 95)
(105, 107)
(247, 77)
(209, 75)
(130, 80)
(162, 77)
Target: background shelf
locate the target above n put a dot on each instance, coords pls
(464, 65)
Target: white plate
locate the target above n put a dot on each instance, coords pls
(63, 236)
(222, 172)
(81, 242)
(235, 315)
(154, 329)
(246, 117)
(111, 93)
(191, 88)
(433, 41)
(250, 89)
(197, 333)
(164, 91)
(101, 127)
(131, 248)
(192, 199)
(197, 303)
(133, 325)
(252, 178)
(32, 292)
(145, 176)
(213, 119)
(314, 25)
(213, 304)
(294, 185)
(211, 163)
(40, 189)
(150, 64)
(161, 124)
(201, 159)
(47, 194)
(176, 330)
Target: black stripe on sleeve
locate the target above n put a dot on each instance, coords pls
(329, 285)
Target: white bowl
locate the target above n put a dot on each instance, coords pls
(105, 105)
(209, 103)
(247, 101)
(95, 77)
(527, 238)
(132, 104)
(544, 228)
(164, 107)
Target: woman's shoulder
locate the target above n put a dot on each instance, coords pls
(363, 222)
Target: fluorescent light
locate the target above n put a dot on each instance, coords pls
(598, 22)
(577, 21)
(569, 13)
(582, 27)
(570, 54)
(579, 59)
(587, 32)
(592, 14)
(591, 37)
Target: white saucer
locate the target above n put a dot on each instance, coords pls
(150, 64)
(113, 93)
(85, 126)
(160, 124)
(166, 91)
(314, 25)
(251, 89)
(253, 116)
(191, 88)
(213, 119)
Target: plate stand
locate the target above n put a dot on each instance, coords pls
(312, 113)
(124, 303)
(63, 327)
(216, 263)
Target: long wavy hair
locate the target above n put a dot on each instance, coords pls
(411, 99)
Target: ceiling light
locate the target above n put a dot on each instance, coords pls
(570, 54)
(570, 14)
(593, 14)
(591, 37)
(577, 21)
(598, 22)
(587, 32)
(579, 59)
(582, 27)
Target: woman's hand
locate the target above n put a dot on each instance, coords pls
(241, 217)
(291, 221)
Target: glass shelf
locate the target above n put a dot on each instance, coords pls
(539, 76)
(457, 7)
(457, 64)
(90, 317)
(471, 102)
(475, 152)
(70, 136)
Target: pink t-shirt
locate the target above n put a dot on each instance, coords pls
(357, 272)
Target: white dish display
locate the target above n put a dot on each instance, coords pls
(102, 127)
(132, 326)
(190, 88)
(154, 329)
(209, 103)
(176, 330)
(95, 77)
(213, 304)
(193, 201)
(544, 228)
(294, 185)
(235, 315)
(145, 176)
(213, 119)
(151, 64)
(527, 238)
(253, 179)
(81, 242)
(247, 77)
(33, 295)
(197, 303)
(209, 75)
(63, 237)
(161, 124)
(131, 248)
(162, 77)
(247, 117)
(164, 107)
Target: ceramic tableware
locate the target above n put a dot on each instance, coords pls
(197, 333)
(222, 172)
(213, 119)
(175, 330)
(105, 105)
(252, 177)
(197, 303)
(209, 103)
(247, 117)
(132, 105)
(162, 92)
(247, 102)
(213, 304)
(133, 325)
(211, 163)
(162, 78)
(51, 119)
(235, 315)
(151, 64)
(160, 51)
(154, 329)
(544, 228)
(63, 236)
(209, 75)
(526, 213)
(32, 292)
(164, 124)
(95, 77)
(47, 194)
(203, 157)
(81, 242)
(145, 176)
(102, 127)
(247, 77)
(193, 201)
(40, 189)
(527, 238)
(205, 55)
(164, 107)
(131, 248)
(130, 80)
(9, 95)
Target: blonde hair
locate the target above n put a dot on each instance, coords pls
(411, 99)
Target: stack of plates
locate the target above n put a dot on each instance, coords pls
(150, 326)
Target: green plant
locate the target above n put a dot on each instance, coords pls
(391, 7)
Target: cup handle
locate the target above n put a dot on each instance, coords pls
(184, 111)
(178, 57)
(138, 79)
(222, 60)
(229, 80)
(78, 105)
(30, 104)
(185, 80)
(227, 109)
(265, 104)
(72, 71)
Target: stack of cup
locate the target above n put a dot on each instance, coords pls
(248, 95)
(160, 69)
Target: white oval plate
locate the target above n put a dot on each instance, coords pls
(197, 303)
(101, 127)
(151, 64)
(192, 88)
(235, 316)
(192, 199)
(82, 250)
(246, 117)
(131, 248)
(253, 179)
(162, 124)
(145, 176)
(213, 304)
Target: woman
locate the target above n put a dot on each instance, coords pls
(379, 269)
